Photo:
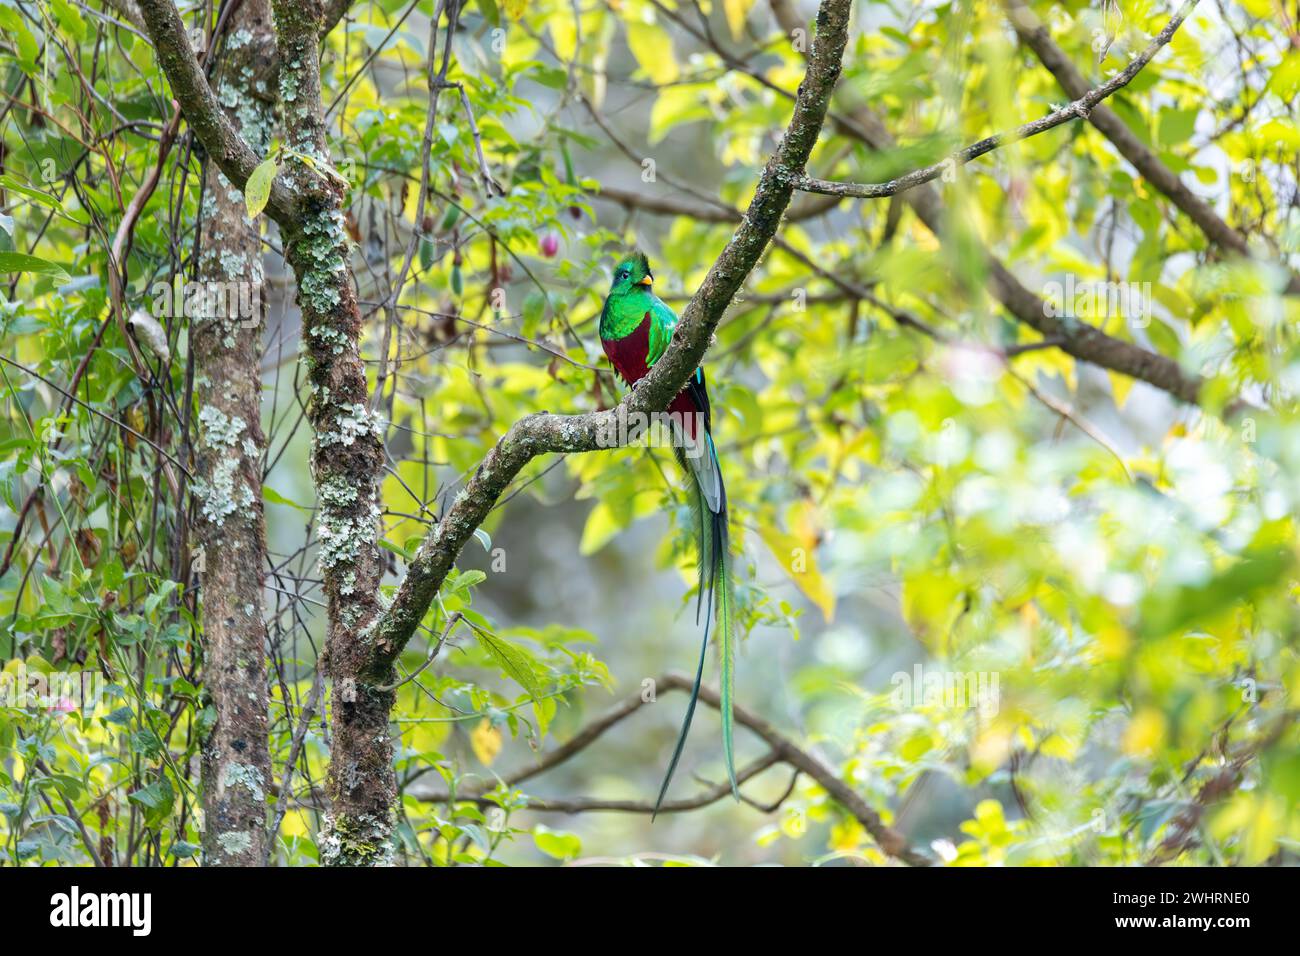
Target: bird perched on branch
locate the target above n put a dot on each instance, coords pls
(635, 329)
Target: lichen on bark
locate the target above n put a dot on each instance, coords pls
(347, 453)
(229, 524)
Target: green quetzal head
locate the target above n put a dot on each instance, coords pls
(632, 271)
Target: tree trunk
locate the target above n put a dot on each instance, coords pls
(347, 461)
(227, 342)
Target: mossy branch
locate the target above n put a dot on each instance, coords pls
(202, 110)
(539, 434)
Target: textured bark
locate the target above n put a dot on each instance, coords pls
(201, 108)
(347, 450)
(347, 454)
(230, 527)
(347, 463)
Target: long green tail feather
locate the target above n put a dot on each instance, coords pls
(726, 646)
(715, 592)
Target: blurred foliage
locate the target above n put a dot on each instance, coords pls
(1132, 597)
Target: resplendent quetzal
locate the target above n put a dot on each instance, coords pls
(635, 328)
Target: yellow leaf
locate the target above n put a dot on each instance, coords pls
(1145, 733)
(257, 191)
(795, 824)
(1059, 747)
(485, 740)
(989, 814)
(1285, 81)
(737, 11)
(990, 749)
(294, 825)
(564, 36)
(797, 559)
(675, 106)
(1112, 642)
(602, 525)
(932, 599)
(653, 49)
(1268, 824)
(1119, 387)
(606, 520)
(847, 835)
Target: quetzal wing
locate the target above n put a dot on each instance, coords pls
(693, 398)
(663, 320)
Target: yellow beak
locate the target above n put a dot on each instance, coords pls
(646, 280)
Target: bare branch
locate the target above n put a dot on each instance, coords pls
(1083, 341)
(295, 748)
(1079, 109)
(781, 750)
(889, 839)
(542, 433)
(672, 206)
(1035, 35)
(1079, 339)
(129, 12)
(710, 795)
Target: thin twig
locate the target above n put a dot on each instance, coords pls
(433, 652)
(1079, 109)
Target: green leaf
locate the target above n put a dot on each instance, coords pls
(512, 659)
(406, 553)
(466, 580)
(273, 496)
(156, 799)
(558, 844)
(21, 262)
(69, 19)
(737, 11)
(257, 192)
(676, 106)
(1176, 126)
(13, 184)
(534, 310)
(490, 12)
(550, 76)
(1180, 608)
